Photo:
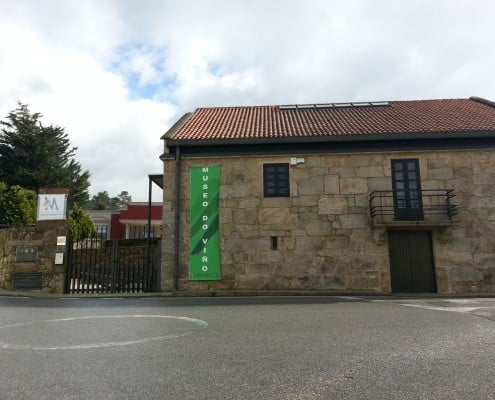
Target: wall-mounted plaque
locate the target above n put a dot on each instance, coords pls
(26, 254)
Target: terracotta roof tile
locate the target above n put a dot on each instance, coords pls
(396, 117)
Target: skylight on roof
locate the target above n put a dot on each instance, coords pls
(334, 105)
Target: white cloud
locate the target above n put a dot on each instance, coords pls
(117, 74)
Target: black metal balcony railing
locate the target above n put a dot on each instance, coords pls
(427, 206)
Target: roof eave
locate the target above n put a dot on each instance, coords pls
(170, 142)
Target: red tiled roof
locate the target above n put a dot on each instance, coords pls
(396, 117)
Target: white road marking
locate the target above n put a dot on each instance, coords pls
(451, 309)
(349, 297)
(198, 322)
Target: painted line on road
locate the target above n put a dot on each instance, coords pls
(451, 309)
(198, 322)
(17, 297)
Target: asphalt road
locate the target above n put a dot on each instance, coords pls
(247, 348)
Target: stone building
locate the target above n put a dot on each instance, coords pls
(377, 197)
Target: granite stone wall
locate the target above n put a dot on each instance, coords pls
(45, 243)
(325, 239)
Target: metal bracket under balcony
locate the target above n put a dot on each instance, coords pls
(432, 207)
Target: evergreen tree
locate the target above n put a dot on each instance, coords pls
(80, 224)
(35, 156)
(17, 206)
(103, 201)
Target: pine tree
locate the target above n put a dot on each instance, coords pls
(34, 156)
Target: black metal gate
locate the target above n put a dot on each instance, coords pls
(411, 261)
(112, 266)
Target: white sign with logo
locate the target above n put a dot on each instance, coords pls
(52, 207)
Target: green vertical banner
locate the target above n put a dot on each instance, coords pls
(205, 244)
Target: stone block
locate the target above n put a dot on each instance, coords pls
(253, 282)
(360, 160)
(465, 273)
(353, 221)
(318, 228)
(275, 202)
(305, 201)
(368, 282)
(332, 184)
(486, 228)
(441, 174)
(300, 173)
(309, 243)
(370, 262)
(484, 179)
(248, 216)
(268, 216)
(458, 160)
(436, 163)
(249, 202)
(384, 183)
(369, 172)
(353, 185)
(442, 278)
(332, 205)
(484, 260)
(336, 242)
(260, 269)
(311, 187)
(330, 161)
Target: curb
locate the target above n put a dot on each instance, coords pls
(240, 293)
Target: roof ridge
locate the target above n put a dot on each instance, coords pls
(482, 100)
(474, 98)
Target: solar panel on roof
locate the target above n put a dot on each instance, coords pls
(342, 104)
(306, 106)
(287, 107)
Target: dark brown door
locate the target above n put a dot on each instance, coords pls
(406, 185)
(411, 262)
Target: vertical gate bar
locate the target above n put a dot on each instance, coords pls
(104, 261)
(77, 271)
(121, 268)
(68, 268)
(132, 266)
(100, 267)
(86, 266)
(127, 270)
(113, 264)
(80, 255)
(92, 269)
(135, 269)
(127, 262)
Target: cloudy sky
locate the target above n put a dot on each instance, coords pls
(116, 74)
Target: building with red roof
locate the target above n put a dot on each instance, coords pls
(388, 196)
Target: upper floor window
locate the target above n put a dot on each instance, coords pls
(406, 185)
(276, 180)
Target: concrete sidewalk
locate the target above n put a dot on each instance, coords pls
(237, 293)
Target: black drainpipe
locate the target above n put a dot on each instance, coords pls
(177, 218)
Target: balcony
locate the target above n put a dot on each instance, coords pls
(412, 207)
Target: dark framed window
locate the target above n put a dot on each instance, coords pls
(406, 185)
(276, 180)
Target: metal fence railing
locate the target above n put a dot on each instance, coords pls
(432, 205)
